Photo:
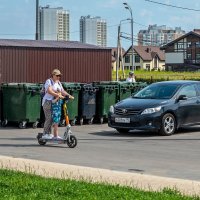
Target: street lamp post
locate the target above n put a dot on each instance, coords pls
(119, 51)
(132, 48)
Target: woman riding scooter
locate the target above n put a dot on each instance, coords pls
(52, 85)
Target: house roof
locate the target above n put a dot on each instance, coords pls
(47, 44)
(180, 38)
(114, 51)
(147, 53)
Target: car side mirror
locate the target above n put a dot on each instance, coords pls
(182, 97)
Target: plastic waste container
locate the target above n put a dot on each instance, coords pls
(125, 90)
(21, 103)
(72, 105)
(87, 103)
(107, 95)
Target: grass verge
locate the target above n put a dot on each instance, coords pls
(18, 185)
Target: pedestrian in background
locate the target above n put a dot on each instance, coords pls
(131, 78)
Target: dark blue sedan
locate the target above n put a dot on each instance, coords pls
(162, 107)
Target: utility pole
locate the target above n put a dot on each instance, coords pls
(132, 48)
(37, 20)
(118, 52)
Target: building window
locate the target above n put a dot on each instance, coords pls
(189, 44)
(148, 67)
(198, 56)
(180, 45)
(127, 59)
(126, 67)
(189, 56)
(138, 67)
(197, 44)
(137, 59)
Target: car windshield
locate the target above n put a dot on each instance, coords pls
(157, 91)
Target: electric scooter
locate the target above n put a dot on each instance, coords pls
(68, 137)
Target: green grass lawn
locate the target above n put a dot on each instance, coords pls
(143, 75)
(21, 186)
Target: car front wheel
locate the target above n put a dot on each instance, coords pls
(168, 125)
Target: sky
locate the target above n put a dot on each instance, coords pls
(17, 17)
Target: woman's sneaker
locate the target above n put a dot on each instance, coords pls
(47, 136)
(57, 138)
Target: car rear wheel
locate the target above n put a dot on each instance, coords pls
(122, 130)
(168, 125)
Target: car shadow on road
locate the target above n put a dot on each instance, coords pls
(129, 134)
(146, 135)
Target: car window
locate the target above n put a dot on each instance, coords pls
(189, 91)
(198, 88)
(158, 91)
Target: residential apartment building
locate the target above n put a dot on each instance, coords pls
(53, 24)
(146, 58)
(93, 30)
(158, 35)
(183, 54)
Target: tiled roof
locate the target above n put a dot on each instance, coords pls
(147, 53)
(47, 44)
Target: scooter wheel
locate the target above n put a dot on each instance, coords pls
(72, 142)
(39, 136)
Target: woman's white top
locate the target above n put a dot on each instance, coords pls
(132, 80)
(55, 86)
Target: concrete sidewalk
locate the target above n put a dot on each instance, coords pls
(64, 171)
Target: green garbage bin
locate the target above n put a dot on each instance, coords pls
(107, 95)
(125, 90)
(72, 105)
(21, 103)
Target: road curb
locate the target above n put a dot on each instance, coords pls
(64, 171)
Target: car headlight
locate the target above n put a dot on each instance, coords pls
(151, 110)
(112, 110)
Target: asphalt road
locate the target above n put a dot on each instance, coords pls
(98, 146)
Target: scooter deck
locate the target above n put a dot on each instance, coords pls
(55, 141)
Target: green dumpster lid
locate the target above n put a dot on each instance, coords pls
(71, 86)
(20, 85)
(106, 83)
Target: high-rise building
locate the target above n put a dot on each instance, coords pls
(53, 23)
(158, 35)
(93, 30)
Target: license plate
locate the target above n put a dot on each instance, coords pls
(122, 120)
